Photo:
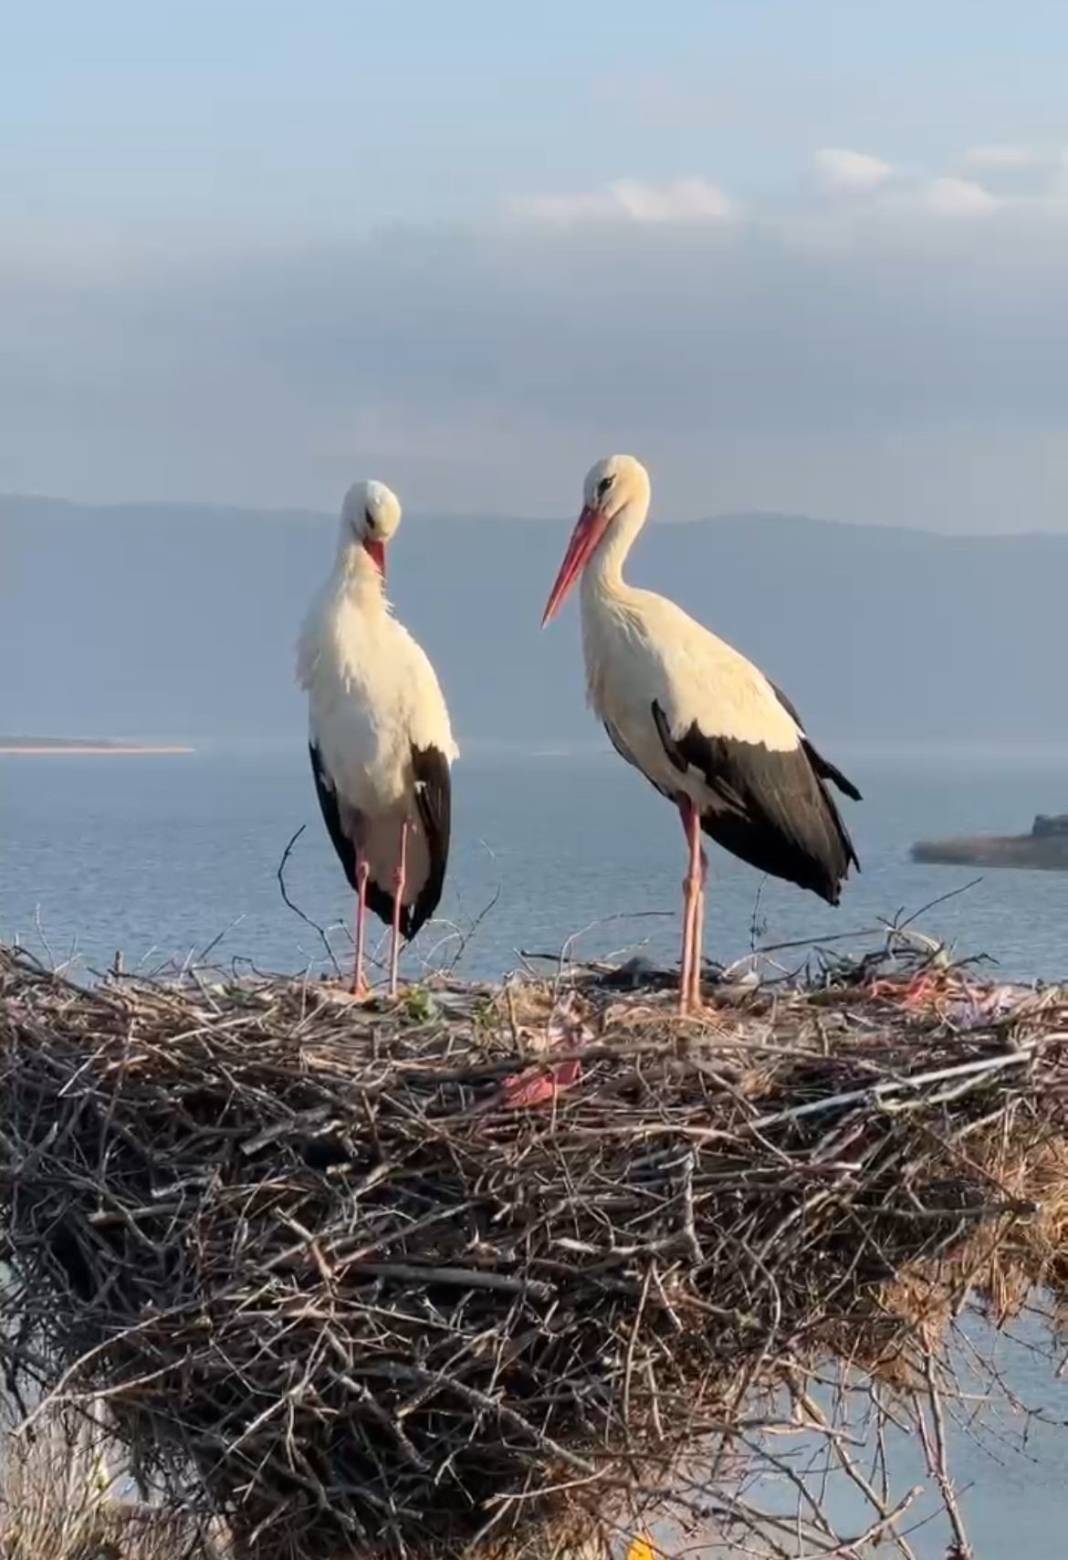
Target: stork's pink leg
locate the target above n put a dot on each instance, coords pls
(686, 961)
(697, 958)
(363, 872)
(398, 895)
(690, 973)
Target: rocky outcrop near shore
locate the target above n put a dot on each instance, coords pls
(1044, 849)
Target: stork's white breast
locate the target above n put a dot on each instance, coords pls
(372, 696)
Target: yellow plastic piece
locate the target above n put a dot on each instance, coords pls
(641, 1549)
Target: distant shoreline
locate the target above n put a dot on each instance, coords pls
(93, 749)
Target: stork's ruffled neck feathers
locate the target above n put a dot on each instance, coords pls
(359, 574)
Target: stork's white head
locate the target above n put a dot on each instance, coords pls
(370, 516)
(615, 495)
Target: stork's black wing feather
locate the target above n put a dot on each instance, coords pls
(823, 767)
(827, 771)
(433, 797)
(770, 808)
(346, 850)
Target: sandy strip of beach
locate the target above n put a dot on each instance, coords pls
(27, 750)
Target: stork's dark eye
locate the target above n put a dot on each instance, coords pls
(369, 520)
(603, 486)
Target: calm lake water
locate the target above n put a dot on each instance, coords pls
(161, 856)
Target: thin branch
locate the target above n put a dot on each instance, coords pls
(281, 876)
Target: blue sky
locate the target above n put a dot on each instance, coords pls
(338, 115)
(804, 255)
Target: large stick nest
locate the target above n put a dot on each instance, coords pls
(321, 1271)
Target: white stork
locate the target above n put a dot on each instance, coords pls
(378, 733)
(703, 724)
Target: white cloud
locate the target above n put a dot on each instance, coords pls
(959, 198)
(820, 357)
(1004, 156)
(688, 200)
(842, 169)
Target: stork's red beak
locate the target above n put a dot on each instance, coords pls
(376, 551)
(584, 538)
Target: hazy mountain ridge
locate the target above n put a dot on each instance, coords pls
(180, 620)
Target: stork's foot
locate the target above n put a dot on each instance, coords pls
(691, 1002)
(347, 991)
(693, 1007)
(696, 1010)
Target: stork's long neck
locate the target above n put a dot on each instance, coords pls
(358, 578)
(602, 579)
